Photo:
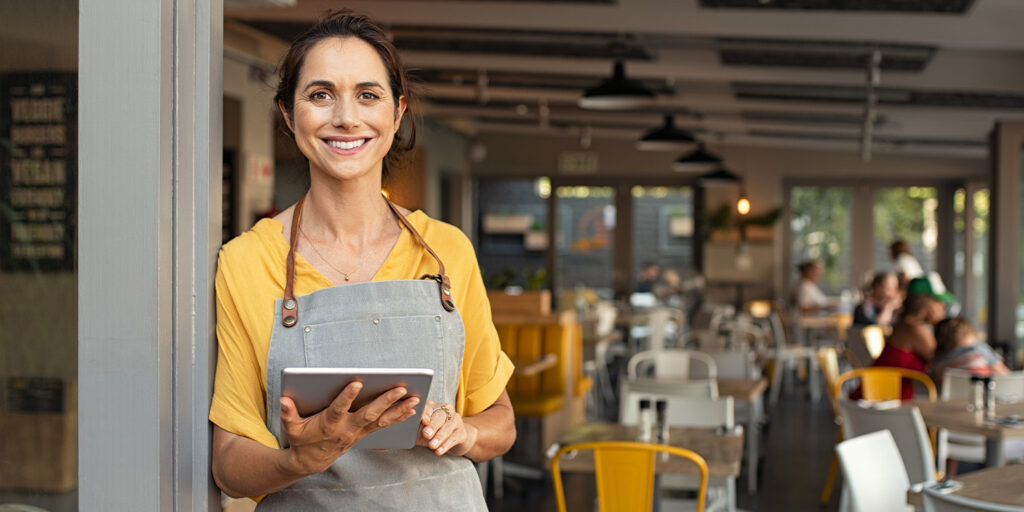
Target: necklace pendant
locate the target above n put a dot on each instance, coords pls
(346, 277)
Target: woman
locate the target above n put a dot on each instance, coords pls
(807, 297)
(343, 95)
(880, 303)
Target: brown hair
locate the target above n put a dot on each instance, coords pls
(345, 24)
(916, 303)
(950, 332)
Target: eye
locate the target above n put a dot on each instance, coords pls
(368, 96)
(320, 97)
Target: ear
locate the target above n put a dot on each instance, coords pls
(400, 111)
(286, 116)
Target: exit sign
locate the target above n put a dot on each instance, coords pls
(577, 162)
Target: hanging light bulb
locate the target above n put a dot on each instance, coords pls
(743, 204)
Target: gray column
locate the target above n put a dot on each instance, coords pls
(1004, 248)
(149, 158)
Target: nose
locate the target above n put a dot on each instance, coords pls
(345, 115)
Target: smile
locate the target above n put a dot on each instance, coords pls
(346, 144)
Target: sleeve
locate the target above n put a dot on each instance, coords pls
(239, 401)
(991, 357)
(861, 316)
(486, 369)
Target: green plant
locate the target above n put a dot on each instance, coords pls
(535, 278)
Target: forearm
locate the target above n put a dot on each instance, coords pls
(496, 430)
(243, 467)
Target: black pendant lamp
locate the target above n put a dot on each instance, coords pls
(697, 160)
(718, 178)
(616, 93)
(666, 138)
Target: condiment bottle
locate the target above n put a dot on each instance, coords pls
(661, 410)
(990, 397)
(646, 421)
(977, 402)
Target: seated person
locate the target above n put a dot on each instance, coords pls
(959, 347)
(649, 274)
(912, 342)
(807, 297)
(880, 301)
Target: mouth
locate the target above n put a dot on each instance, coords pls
(345, 144)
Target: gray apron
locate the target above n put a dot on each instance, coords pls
(374, 324)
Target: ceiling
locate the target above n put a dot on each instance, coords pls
(744, 72)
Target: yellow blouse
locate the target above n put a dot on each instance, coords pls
(251, 276)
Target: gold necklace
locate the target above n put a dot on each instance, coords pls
(312, 244)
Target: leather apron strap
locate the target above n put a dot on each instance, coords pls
(290, 307)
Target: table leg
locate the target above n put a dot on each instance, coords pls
(752, 433)
(994, 453)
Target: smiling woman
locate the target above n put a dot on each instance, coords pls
(343, 96)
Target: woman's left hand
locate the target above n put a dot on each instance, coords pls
(443, 431)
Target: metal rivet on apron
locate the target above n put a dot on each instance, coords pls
(289, 304)
(437, 318)
(376, 321)
(447, 290)
(307, 329)
(289, 321)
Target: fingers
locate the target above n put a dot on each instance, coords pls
(343, 402)
(399, 413)
(435, 418)
(371, 412)
(444, 434)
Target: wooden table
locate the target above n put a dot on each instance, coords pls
(721, 452)
(1003, 486)
(746, 391)
(954, 415)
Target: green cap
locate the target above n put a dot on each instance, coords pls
(932, 286)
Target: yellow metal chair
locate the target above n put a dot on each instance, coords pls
(828, 360)
(883, 382)
(625, 474)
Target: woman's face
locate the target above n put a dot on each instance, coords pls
(344, 118)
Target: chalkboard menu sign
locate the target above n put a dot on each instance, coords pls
(38, 178)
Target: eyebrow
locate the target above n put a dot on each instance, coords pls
(328, 83)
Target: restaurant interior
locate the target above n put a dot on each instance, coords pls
(682, 210)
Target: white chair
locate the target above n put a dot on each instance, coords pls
(956, 384)
(703, 339)
(935, 501)
(865, 343)
(693, 388)
(786, 355)
(673, 363)
(683, 411)
(729, 364)
(907, 428)
(874, 473)
(686, 411)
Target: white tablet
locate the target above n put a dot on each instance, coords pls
(313, 389)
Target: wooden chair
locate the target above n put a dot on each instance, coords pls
(625, 474)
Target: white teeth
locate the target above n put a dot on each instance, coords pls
(340, 144)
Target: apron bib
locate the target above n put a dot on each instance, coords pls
(399, 324)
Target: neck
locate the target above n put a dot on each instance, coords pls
(352, 213)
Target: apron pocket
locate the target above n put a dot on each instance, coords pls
(398, 342)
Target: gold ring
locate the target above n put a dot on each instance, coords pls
(447, 412)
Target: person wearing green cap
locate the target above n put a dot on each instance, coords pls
(931, 286)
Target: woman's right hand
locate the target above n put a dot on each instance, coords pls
(316, 441)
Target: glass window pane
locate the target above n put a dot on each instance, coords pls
(586, 227)
(821, 229)
(663, 227)
(908, 214)
(512, 233)
(38, 189)
(977, 304)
